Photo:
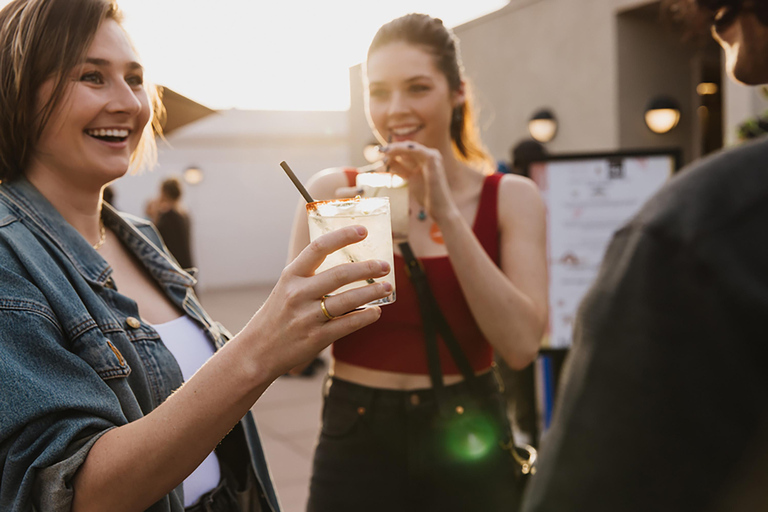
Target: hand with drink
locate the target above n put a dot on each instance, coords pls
(297, 315)
(423, 169)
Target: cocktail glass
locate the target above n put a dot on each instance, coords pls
(388, 184)
(371, 212)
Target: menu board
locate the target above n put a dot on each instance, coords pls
(588, 198)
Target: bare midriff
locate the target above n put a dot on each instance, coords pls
(388, 380)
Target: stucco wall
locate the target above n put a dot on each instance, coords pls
(557, 54)
(242, 211)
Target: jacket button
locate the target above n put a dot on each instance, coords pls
(132, 322)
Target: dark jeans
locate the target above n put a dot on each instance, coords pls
(384, 450)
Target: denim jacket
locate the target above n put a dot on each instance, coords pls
(75, 359)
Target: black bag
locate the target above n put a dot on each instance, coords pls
(468, 421)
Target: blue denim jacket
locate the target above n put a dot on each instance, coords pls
(74, 363)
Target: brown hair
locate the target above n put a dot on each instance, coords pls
(440, 41)
(40, 39)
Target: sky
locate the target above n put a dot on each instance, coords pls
(268, 54)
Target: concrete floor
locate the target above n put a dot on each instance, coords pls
(288, 414)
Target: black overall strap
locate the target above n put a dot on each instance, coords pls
(434, 320)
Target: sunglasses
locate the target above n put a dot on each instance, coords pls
(725, 12)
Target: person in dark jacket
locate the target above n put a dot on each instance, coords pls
(664, 403)
(172, 221)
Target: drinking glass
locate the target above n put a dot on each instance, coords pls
(371, 212)
(387, 184)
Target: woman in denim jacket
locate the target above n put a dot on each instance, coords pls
(93, 413)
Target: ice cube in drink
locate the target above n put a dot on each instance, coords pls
(388, 184)
(371, 212)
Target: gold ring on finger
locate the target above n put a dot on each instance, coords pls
(325, 309)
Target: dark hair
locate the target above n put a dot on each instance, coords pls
(171, 188)
(429, 32)
(524, 153)
(697, 17)
(39, 40)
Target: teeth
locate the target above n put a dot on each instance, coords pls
(102, 132)
(403, 131)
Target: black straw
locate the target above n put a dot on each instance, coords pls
(296, 182)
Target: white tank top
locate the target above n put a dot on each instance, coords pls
(191, 348)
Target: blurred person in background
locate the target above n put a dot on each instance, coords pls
(481, 240)
(172, 221)
(524, 153)
(664, 402)
(99, 328)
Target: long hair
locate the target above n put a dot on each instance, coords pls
(430, 33)
(42, 40)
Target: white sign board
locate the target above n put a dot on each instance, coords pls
(588, 198)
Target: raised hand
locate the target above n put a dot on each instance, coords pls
(292, 326)
(423, 168)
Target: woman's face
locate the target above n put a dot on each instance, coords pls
(408, 98)
(98, 123)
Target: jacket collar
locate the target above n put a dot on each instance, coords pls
(41, 216)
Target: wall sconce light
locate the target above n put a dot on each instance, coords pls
(371, 152)
(543, 126)
(193, 175)
(662, 114)
(707, 88)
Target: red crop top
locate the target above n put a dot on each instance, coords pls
(395, 343)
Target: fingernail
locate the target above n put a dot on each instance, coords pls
(360, 230)
(383, 149)
(384, 266)
(359, 191)
(387, 287)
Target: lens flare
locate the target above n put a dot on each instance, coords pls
(470, 437)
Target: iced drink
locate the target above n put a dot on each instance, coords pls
(373, 213)
(387, 184)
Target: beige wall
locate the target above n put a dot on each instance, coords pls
(557, 54)
(652, 62)
(243, 210)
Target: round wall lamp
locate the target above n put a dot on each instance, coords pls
(193, 175)
(371, 152)
(543, 126)
(662, 114)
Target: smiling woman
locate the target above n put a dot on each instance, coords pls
(107, 359)
(92, 133)
(480, 241)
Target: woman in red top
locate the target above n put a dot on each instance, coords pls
(481, 240)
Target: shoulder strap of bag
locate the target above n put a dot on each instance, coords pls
(435, 321)
(433, 317)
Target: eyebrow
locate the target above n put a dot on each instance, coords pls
(104, 63)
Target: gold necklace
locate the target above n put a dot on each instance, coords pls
(102, 235)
